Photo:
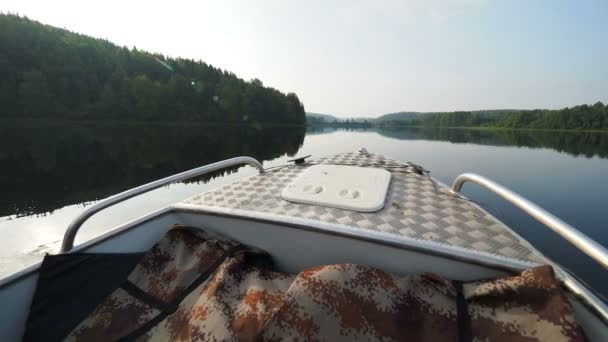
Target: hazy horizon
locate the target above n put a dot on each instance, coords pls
(375, 116)
(360, 59)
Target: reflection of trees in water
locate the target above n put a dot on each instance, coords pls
(314, 130)
(587, 144)
(321, 129)
(45, 167)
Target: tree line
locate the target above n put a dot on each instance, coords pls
(316, 121)
(48, 72)
(587, 117)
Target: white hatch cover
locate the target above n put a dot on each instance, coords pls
(345, 187)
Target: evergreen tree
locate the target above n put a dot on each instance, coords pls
(51, 72)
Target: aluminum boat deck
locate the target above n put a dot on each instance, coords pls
(417, 207)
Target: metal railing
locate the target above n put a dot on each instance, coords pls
(593, 249)
(70, 234)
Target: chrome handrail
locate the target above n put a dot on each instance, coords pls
(70, 234)
(593, 249)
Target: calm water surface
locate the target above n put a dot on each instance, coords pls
(50, 172)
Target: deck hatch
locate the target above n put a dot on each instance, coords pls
(355, 188)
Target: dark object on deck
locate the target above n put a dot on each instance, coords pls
(299, 160)
(419, 169)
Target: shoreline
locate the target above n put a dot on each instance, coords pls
(142, 122)
(278, 124)
(481, 128)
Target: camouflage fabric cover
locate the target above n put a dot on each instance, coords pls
(196, 287)
(528, 307)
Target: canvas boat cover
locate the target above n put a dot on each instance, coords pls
(196, 286)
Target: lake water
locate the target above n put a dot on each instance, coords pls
(50, 172)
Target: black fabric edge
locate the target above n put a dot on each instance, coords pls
(465, 333)
(144, 296)
(51, 317)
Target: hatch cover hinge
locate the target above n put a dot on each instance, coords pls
(299, 160)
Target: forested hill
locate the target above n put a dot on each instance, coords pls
(47, 72)
(584, 117)
(312, 118)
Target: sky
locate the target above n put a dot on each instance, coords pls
(355, 58)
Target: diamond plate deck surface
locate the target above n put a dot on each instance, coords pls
(416, 208)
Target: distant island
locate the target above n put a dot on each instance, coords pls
(317, 119)
(583, 117)
(51, 73)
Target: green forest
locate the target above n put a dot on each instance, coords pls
(584, 117)
(48, 72)
(51, 73)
